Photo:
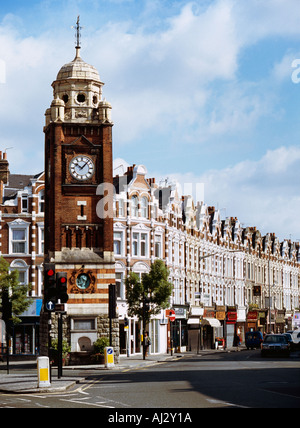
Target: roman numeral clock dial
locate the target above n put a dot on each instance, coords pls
(82, 168)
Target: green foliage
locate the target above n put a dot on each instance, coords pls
(154, 286)
(100, 345)
(9, 283)
(66, 348)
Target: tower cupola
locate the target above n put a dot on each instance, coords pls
(77, 91)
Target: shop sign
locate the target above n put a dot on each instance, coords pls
(296, 320)
(209, 313)
(180, 313)
(252, 316)
(231, 317)
(220, 315)
(280, 319)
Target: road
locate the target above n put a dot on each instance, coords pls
(221, 380)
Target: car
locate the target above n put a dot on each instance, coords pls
(253, 339)
(275, 344)
(296, 338)
(290, 341)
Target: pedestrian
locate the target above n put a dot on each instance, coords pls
(147, 343)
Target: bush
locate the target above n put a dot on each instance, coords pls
(100, 345)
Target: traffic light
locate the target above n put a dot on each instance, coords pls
(112, 301)
(49, 285)
(62, 287)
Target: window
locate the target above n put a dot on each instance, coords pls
(134, 206)
(139, 244)
(42, 201)
(41, 240)
(120, 288)
(118, 243)
(135, 243)
(143, 244)
(144, 207)
(22, 268)
(24, 204)
(121, 204)
(84, 324)
(18, 236)
(158, 246)
(18, 241)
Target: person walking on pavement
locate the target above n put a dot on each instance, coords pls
(147, 343)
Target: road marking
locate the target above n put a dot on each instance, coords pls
(214, 401)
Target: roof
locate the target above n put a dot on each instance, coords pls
(16, 182)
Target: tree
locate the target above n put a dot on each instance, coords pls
(148, 295)
(13, 295)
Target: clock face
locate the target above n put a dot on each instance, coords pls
(83, 281)
(82, 168)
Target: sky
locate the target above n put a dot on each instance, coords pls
(203, 92)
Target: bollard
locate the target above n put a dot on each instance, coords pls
(43, 372)
(109, 357)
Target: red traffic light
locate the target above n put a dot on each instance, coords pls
(50, 272)
(62, 280)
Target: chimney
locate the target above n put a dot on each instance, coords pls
(4, 173)
(4, 170)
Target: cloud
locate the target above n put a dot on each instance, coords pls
(263, 193)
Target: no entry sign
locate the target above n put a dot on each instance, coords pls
(172, 315)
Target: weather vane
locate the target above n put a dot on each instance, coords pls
(78, 35)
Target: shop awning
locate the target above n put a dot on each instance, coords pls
(213, 322)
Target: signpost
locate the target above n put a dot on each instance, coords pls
(172, 315)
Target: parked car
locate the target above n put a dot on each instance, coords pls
(290, 341)
(296, 338)
(253, 339)
(275, 344)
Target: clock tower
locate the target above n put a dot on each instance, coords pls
(78, 158)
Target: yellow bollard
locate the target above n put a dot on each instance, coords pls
(109, 357)
(43, 372)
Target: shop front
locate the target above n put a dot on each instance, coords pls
(180, 329)
(252, 318)
(231, 318)
(262, 320)
(279, 321)
(220, 332)
(240, 325)
(25, 335)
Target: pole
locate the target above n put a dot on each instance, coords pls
(59, 346)
(7, 348)
(269, 295)
(144, 327)
(110, 331)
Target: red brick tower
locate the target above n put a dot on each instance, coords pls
(78, 157)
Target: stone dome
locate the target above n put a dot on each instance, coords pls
(78, 69)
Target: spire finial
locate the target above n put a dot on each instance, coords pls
(77, 35)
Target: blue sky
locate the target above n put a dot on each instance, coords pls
(202, 92)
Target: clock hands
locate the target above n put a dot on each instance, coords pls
(81, 167)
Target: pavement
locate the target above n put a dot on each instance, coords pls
(23, 376)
